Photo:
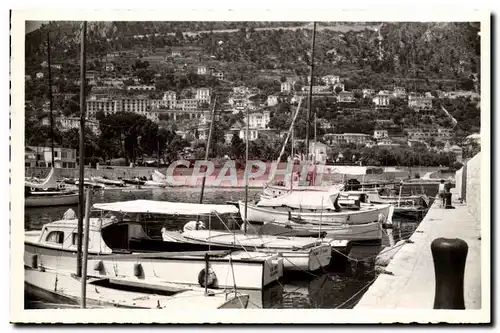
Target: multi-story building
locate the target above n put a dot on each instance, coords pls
(188, 104)
(346, 138)
(42, 157)
(286, 87)
(381, 100)
(259, 119)
(345, 97)
(272, 100)
(241, 90)
(110, 82)
(367, 93)
(142, 88)
(202, 70)
(399, 92)
(317, 90)
(169, 99)
(318, 151)
(387, 143)
(66, 123)
(136, 104)
(429, 132)
(218, 74)
(419, 102)
(107, 105)
(461, 94)
(380, 133)
(203, 95)
(238, 102)
(330, 79)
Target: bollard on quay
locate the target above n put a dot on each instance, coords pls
(449, 257)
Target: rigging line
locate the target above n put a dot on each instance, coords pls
(356, 294)
(242, 246)
(255, 304)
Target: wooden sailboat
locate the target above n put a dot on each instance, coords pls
(48, 192)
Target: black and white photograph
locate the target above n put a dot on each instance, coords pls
(199, 163)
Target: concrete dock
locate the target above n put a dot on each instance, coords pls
(412, 284)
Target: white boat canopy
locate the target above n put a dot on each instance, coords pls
(165, 207)
(303, 199)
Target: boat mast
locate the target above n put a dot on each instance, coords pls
(50, 99)
(207, 150)
(81, 206)
(246, 176)
(85, 251)
(292, 160)
(310, 91)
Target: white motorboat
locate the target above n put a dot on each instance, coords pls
(121, 247)
(298, 253)
(60, 289)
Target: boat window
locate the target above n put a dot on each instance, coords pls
(55, 237)
(74, 239)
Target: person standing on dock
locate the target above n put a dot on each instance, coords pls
(441, 192)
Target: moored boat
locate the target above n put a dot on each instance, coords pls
(48, 192)
(62, 290)
(320, 211)
(308, 254)
(134, 181)
(405, 206)
(57, 198)
(118, 247)
(105, 181)
(299, 254)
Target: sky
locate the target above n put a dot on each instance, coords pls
(33, 25)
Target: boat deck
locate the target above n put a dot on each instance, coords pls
(99, 293)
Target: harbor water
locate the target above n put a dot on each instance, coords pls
(339, 286)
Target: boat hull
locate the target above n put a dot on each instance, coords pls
(253, 271)
(60, 288)
(366, 232)
(55, 200)
(307, 255)
(366, 214)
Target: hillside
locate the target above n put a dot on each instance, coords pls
(446, 52)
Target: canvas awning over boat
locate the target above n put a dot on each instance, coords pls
(165, 207)
(48, 183)
(302, 199)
